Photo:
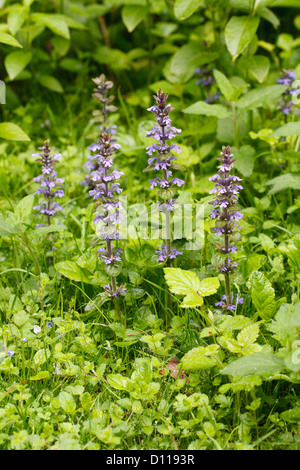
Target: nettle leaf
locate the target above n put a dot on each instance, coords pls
(183, 9)
(205, 109)
(181, 281)
(262, 294)
(209, 286)
(255, 364)
(133, 15)
(10, 131)
(200, 358)
(259, 96)
(239, 32)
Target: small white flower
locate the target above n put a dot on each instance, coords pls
(37, 329)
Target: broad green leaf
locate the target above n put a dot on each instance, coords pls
(291, 128)
(51, 83)
(9, 40)
(54, 22)
(200, 358)
(292, 415)
(209, 286)
(16, 62)
(187, 59)
(248, 335)
(43, 374)
(118, 381)
(181, 281)
(11, 131)
(259, 96)
(8, 227)
(262, 294)
(16, 18)
(133, 15)
(255, 364)
(24, 208)
(191, 300)
(286, 324)
(72, 271)
(183, 9)
(239, 32)
(245, 159)
(41, 231)
(284, 182)
(40, 356)
(67, 402)
(224, 84)
(258, 66)
(203, 108)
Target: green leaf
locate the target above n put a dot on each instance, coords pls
(245, 159)
(291, 128)
(187, 58)
(224, 84)
(43, 374)
(283, 182)
(292, 415)
(16, 18)
(40, 357)
(51, 83)
(133, 15)
(255, 364)
(11, 131)
(192, 300)
(258, 66)
(200, 358)
(54, 22)
(118, 381)
(201, 107)
(16, 62)
(209, 286)
(183, 9)
(67, 402)
(259, 96)
(181, 281)
(239, 32)
(24, 208)
(8, 227)
(262, 294)
(9, 40)
(72, 271)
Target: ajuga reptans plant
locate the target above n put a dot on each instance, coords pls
(48, 181)
(287, 78)
(101, 94)
(163, 161)
(105, 192)
(225, 212)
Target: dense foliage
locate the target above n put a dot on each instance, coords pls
(115, 334)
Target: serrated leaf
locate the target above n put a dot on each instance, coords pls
(239, 32)
(181, 281)
(191, 300)
(8, 227)
(248, 335)
(255, 364)
(200, 358)
(205, 109)
(209, 286)
(11, 131)
(118, 381)
(262, 294)
(24, 208)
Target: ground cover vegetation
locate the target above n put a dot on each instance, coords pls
(149, 227)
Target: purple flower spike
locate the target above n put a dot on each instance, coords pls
(163, 160)
(287, 78)
(48, 181)
(226, 215)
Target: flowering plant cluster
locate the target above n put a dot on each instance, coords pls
(48, 181)
(287, 78)
(225, 212)
(207, 80)
(164, 162)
